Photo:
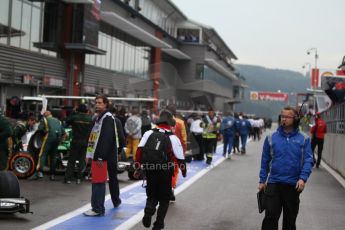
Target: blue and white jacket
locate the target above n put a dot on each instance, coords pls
(286, 158)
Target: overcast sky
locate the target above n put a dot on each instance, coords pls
(275, 33)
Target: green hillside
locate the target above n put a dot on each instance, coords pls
(273, 80)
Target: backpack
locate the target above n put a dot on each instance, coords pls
(155, 151)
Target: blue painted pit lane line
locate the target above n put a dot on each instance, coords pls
(133, 199)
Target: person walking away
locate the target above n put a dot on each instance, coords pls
(211, 127)
(157, 151)
(227, 129)
(286, 165)
(243, 127)
(318, 132)
(197, 130)
(236, 145)
(180, 131)
(5, 139)
(81, 123)
(255, 128)
(133, 131)
(53, 133)
(101, 148)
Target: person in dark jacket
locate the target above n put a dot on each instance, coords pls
(286, 165)
(81, 123)
(145, 122)
(5, 134)
(102, 146)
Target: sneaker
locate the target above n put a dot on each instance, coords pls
(67, 181)
(78, 181)
(146, 221)
(92, 213)
(118, 203)
(40, 175)
(35, 176)
(52, 177)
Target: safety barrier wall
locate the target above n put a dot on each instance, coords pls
(333, 153)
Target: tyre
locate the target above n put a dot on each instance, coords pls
(35, 143)
(23, 165)
(9, 185)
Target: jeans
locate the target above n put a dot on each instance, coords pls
(98, 189)
(228, 141)
(244, 141)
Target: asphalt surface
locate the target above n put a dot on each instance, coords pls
(49, 200)
(224, 198)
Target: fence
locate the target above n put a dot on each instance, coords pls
(333, 153)
(335, 119)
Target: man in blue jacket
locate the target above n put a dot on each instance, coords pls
(243, 127)
(227, 129)
(286, 164)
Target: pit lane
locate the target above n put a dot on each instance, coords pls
(51, 199)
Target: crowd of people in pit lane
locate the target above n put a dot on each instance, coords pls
(198, 132)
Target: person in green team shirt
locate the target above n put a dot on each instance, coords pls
(81, 123)
(53, 132)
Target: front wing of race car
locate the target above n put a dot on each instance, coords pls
(12, 205)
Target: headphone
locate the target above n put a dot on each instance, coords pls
(296, 117)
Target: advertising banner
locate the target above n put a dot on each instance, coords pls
(318, 74)
(268, 96)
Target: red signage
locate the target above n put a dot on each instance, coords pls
(318, 74)
(314, 78)
(269, 96)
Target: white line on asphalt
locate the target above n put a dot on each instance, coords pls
(136, 218)
(79, 211)
(335, 174)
